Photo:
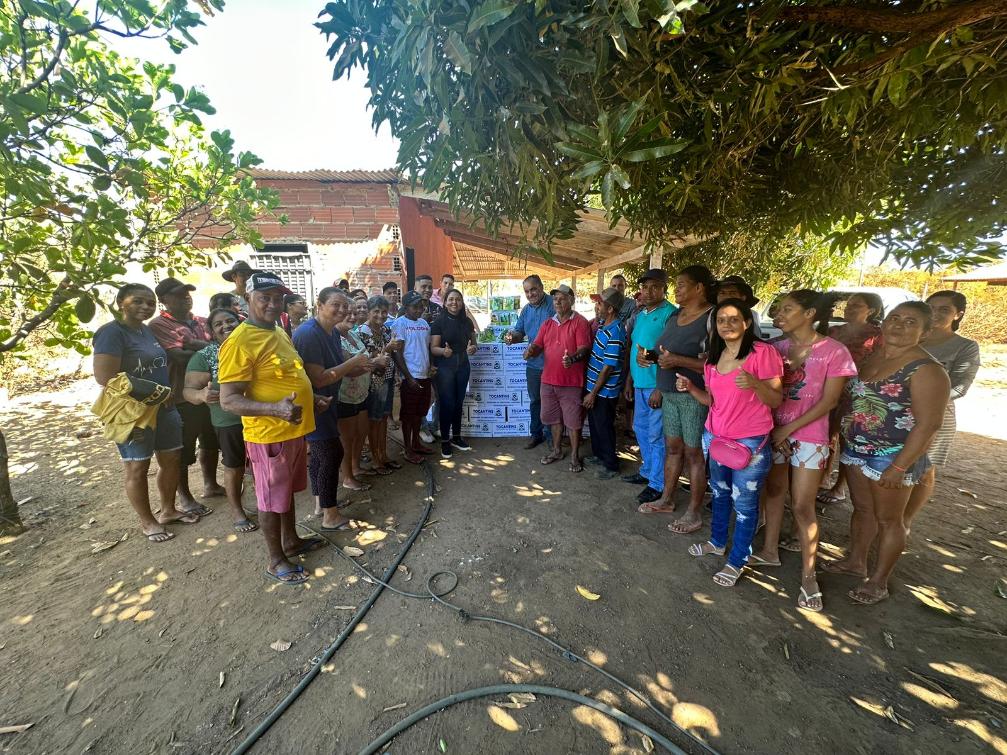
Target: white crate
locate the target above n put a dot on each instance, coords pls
(486, 365)
(487, 382)
(505, 398)
(516, 380)
(478, 429)
(489, 350)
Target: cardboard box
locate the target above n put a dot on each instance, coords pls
(486, 413)
(505, 398)
(510, 429)
(489, 350)
(478, 429)
(487, 382)
(518, 380)
(519, 414)
(491, 365)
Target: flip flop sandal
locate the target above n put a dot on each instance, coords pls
(687, 529)
(383, 471)
(199, 510)
(754, 560)
(552, 458)
(393, 465)
(363, 486)
(791, 545)
(576, 467)
(701, 549)
(245, 525)
(726, 578)
(866, 600)
(279, 576)
(829, 498)
(805, 597)
(347, 525)
(650, 508)
(186, 518)
(160, 537)
(366, 473)
(310, 545)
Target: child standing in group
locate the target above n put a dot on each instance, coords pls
(413, 362)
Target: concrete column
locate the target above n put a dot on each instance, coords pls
(601, 281)
(655, 259)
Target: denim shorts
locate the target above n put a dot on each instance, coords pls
(874, 466)
(379, 402)
(148, 441)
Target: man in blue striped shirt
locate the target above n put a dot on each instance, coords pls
(604, 381)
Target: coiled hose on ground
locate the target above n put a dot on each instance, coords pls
(438, 597)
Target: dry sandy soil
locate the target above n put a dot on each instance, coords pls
(123, 650)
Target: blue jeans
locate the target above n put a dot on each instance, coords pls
(451, 379)
(535, 404)
(739, 488)
(647, 424)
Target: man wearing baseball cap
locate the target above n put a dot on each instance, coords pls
(648, 323)
(181, 334)
(238, 275)
(604, 381)
(565, 341)
(262, 380)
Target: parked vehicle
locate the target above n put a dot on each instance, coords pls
(891, 297)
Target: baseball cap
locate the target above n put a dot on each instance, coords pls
(655, 274)
(238, 267)
(265, 282)
(610, 296)
(411, 297)
(170, 286)
(562, 288)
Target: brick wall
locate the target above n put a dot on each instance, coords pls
(323, 212)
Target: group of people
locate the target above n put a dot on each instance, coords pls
(294, 398)
(754, 420)
(260, 385)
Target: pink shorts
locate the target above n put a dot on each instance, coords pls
(280, 469)
(562, 403)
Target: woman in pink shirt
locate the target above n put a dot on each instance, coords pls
(742, 386)
(816, 369)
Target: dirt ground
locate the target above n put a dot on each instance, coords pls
(124, 650)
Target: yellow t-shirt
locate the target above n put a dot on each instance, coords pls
(266, 360)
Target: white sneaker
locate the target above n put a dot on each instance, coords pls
(426, 437)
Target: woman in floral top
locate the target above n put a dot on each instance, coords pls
(891, 413)
(377, 338)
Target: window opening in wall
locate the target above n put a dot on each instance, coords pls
(395, 232)
(292, 263)
(396, 264)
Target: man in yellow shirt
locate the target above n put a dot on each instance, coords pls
(262, 379)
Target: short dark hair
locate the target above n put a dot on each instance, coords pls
(957, 299)
(357, 292)
(717, 343)
(448, 275)
(222, 301)
(291, 299)
(534, 279)
(424, 277)
(618, 275)
(377, 302)
(328, 292)
(821, 303)
(390, 286)
(923, 308)
(129, 289)
(874, 303)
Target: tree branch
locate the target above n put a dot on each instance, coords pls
(857, 18)
(48, 69)
(59, 298)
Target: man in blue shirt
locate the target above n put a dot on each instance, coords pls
(538, 309)
(604, 381)
(648, 324)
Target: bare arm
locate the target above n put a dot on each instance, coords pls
(930, 390)
(233, 400)
(964, 370)
(834, 387)
(196, 389)
(106, 367)
(684, 384)
(321, 377)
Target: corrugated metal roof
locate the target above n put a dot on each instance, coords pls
(389, 176)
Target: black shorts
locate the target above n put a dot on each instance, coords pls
(231, 440)
(345, 411)
(196, 425)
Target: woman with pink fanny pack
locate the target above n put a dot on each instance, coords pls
(743, 385)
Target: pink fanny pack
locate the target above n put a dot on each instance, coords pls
(731, 453)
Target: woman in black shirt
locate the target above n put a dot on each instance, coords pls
(452, 340)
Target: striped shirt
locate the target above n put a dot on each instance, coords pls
(609, 342)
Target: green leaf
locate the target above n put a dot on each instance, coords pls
(84, 308)
(588, 170)
(631, 12)
(607, 189)
(30, 102)
(102, 182)
(654, 151)
(96, 156)
(621, 177)
(577, 151)
(619, 40)
(458, 53)
(489, 13)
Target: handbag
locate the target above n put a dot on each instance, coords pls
(733, 454)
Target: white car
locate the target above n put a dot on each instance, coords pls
(891, 297)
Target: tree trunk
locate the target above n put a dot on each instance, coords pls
(10, 520)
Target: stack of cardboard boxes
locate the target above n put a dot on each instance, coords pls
(496, 405)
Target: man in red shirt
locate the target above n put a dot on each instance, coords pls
(182, 334)
(565, 341)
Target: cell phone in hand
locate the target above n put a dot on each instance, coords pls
(652, 355)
